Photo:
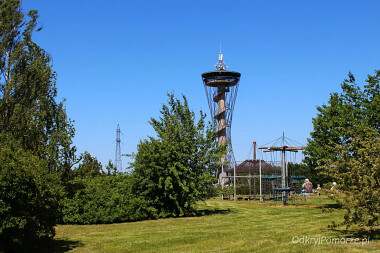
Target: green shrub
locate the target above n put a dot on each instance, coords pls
(104, 199)
(29, 197)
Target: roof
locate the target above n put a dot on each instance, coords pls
(220, 73)
(253, 166)
(213, 78)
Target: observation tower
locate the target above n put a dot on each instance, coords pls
(221, 87)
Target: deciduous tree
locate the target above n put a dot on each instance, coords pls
(28, 108)
(176, 169)
(89, 167)
(35, 132)
(344, 147)
(29, 196)
(337, 121)
(356, 170)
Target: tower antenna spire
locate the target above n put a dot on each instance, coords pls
(220, 65)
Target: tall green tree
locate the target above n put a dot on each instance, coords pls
(344, 148)
(35, 132)
(28, 108)
(176, 169)
(357, 173)
(337, 122)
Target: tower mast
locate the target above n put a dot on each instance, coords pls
(221, 86)
(118, 163)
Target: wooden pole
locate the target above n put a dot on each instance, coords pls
(250, 181)
(234, 181)
(222, 182)
(261, 196)
(283, 184)
(283, 176)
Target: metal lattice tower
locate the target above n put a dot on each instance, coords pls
(118, 150)
(221, 87)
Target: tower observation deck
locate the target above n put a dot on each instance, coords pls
(221, 87)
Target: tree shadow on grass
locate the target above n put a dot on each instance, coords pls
(42, 246)
(207, 212)
(373, 234)
(331, 206)
(56, 245)
(353, 233)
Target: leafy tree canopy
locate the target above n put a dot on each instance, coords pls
(35, 133)
(90, 166)
(111, 169)
(28, 109)
(301, 169)
(176, 169)
(356, 171)
(29, 196)
(338, 121)
(344, 147)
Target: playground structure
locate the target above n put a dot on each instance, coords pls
(285, 179)
(267, 178)
(254, 179)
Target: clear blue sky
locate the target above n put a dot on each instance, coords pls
(116, 60)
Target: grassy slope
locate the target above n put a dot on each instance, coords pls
(232, 227)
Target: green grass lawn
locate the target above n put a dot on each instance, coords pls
(227, 226)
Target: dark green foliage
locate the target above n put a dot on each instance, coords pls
(357, 173)
(29, 196)
(111, 168)
(95, 197)
(175, 170)
(89, 167)
(36, 135)
(344, 147)
(227, 190)
(345, 112)
(28, 109)
(301, 169)
(106, 199)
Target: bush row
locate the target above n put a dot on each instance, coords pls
(103, 199)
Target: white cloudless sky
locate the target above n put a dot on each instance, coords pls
(116, 61)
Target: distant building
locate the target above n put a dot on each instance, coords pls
(253, 167)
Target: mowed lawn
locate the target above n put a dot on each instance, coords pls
(226, 226)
